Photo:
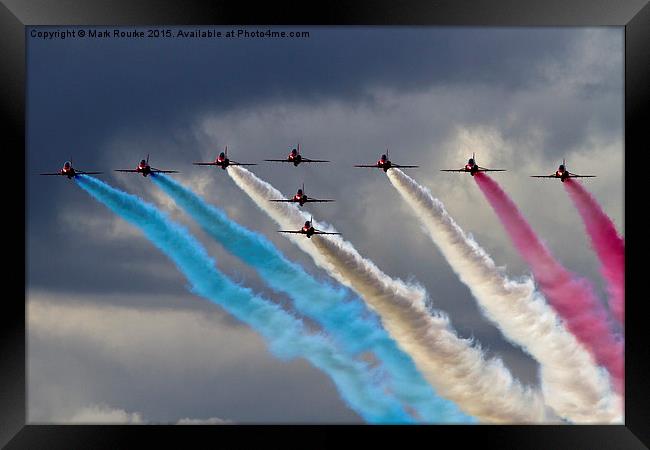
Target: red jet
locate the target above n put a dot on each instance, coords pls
(68, 171)
(222, 161)
(384, 163)
(301, 198)
(308, 230)
(563, 173)
(145, 169)
(296, 158)
(472, 167)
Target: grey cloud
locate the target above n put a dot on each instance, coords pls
(87, 354)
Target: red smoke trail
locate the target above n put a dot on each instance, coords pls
(607, 243)
(571, 296)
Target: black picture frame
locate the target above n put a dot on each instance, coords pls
(634, 15)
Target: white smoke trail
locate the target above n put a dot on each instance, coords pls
(573, 385)
(455, 368)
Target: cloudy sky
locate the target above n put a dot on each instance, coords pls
(114, 334)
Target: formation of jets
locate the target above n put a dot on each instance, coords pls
(296, 158)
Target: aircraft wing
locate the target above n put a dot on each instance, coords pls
(453, 170)
(279, 160)
(483, 169)
(545, 176)
(163, 171)
(315, 200)
(294, 232)
(205, 164)
(366, 165)
(232, 163)
(51, 173)
(403, 167)
(324, 232)
(88, 173)
(283, 200)
(126, 170)
(573, 175)
(313, 160)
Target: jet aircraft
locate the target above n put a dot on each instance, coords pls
(301, 198)
(68, 171)
(223, 161)
(563, 174)
(307, 229)
(145, 169)
(385, 163)
(472, 167)
(296, 158)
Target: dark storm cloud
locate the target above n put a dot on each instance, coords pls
(113, 81)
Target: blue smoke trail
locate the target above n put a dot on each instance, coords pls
(286, 335)
(343, 316)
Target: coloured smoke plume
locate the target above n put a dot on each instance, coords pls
(571, 296)
(573, 385)
(341, 314)
(608, 244)
(456, 369)
(286, 335)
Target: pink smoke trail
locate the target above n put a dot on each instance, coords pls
(571, 296)
(608, 244)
